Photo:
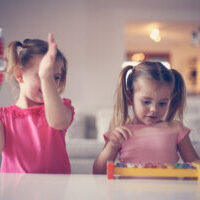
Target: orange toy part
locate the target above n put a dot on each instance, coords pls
(110, 170)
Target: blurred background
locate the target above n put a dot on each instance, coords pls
(99, 37)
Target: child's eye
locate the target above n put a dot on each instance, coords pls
(146, 102)
(162, 104)
(57, 78)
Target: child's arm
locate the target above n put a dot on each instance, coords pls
(109, 153)
(1, 137)
(187, 150)
(111, 149)
(57, 114)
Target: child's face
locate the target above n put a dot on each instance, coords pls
(30, 87)
(150, 100)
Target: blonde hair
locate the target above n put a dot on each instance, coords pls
(19, 54)
(156, 71)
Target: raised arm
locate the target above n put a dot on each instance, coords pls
(57, 114)
(1, 137)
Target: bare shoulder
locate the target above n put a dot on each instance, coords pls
(177, 125)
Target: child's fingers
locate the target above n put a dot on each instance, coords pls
(118, 135)
(51, 38)
(116, 140)
(128, 131)
(52, 45)
(124, 132)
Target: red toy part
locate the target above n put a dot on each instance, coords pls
(110, 170)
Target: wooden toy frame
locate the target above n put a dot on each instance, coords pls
(114, 171)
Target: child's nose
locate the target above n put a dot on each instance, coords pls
(153, 108)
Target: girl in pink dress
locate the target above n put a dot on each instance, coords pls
(32, 131)
(147, 121)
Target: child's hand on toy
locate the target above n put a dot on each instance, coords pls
(46, 68)
(119, 135)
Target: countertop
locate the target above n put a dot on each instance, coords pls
(94, 187)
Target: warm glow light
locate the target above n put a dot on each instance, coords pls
(155, 35)
(138, 57)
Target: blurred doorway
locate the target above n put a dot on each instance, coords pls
(170, 42)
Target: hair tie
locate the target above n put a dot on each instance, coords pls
(20, 47)
(127, 77)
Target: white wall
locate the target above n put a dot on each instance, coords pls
(91, 35)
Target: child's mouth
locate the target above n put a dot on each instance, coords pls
(152, 117)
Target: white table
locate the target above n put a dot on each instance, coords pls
(94, 187)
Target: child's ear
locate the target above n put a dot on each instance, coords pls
(18, 72)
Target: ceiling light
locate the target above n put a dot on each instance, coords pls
(155, 35)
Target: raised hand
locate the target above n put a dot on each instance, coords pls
(119, 135)
(47, 63)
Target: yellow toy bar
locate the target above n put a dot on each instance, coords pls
(186, 170)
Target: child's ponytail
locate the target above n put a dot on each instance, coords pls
(12, 58)
(177, 103)
(123, 97)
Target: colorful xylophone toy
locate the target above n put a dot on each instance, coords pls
(178, 170)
